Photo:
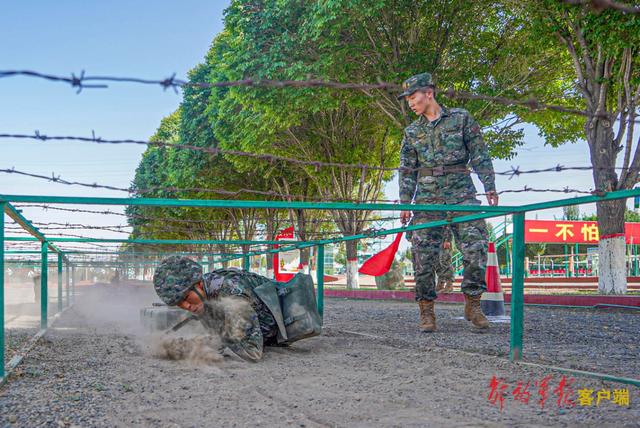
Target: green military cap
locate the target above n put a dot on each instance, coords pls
(414, 83)
(174, 277)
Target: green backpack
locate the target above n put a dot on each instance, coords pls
(293, 305)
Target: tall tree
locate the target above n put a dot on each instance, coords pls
(603, 50)
(472, 45)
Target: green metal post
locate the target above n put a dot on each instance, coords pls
(246, 262)
(59, 282)
(576, 260)
(517, 288)
(566, 262)
(67, 283)
(2, 206)
(73, 284)
(507, 259)
(44, 279)
(320, 279)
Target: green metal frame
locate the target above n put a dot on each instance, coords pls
(476, 213)
(320, 279)
(517, 288)
(59, 282)
(44, 289)
(2, 347)
(212, 203)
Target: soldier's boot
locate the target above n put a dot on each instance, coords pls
(427, 316)
(473, 312)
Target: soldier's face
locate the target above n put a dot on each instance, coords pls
(192, 302)
(419, 101)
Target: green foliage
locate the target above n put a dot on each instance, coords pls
(571, 212)
(483, 46)
(629, 216)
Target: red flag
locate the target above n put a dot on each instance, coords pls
(380, 263)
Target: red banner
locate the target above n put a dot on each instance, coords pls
(572, 232)
(278, 262)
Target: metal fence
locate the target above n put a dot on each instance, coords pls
(464, 214)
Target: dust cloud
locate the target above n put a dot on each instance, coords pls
(203, 349)
(115, 309)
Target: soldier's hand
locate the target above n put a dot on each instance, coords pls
(492, 198)
(405, 216)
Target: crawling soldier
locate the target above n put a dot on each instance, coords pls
(247, 311)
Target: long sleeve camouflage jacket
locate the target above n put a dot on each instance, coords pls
(453, 141)
(259, 324)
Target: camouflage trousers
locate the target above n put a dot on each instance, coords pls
(444, 267)
(471, 239)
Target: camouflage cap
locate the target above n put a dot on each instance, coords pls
(413, 83)
(174, 277)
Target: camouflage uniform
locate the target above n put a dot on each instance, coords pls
(176, 276)
(434, 161)
(444, 267)
(261, 328)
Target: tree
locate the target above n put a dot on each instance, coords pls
(477, 46)
(571, 212)
(629, 216)
(603, 51)
(351, 40)
(320, 126)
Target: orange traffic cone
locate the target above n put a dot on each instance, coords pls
(492, 302)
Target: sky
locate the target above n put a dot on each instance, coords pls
(147, 40)
(120, 38)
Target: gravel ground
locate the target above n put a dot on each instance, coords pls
(369, 368)
(595, 340)
(15, 340)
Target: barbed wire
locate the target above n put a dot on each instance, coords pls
(55, 226)
(336, 239)
(600, 5)
(174, 83)
(76, 225)
(64, 246)
(514, 172)
(56, 178)
(78, 82)
(435, 170)
(168, 219)
(527, 189)
(72, 235)
(70, 246)
(85, 227)
(17, 230)
(210, 150)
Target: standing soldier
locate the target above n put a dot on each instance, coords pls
(437, 150)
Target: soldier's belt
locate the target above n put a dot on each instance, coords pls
(443, 170)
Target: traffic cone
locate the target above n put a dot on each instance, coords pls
(492, 301)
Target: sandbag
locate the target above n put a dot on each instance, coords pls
(299, 308)
(293, 305)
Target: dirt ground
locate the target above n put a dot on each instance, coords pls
(369, 368)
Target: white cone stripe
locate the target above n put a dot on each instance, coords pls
(492, 259)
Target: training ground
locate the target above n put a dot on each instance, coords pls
(370, 367)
